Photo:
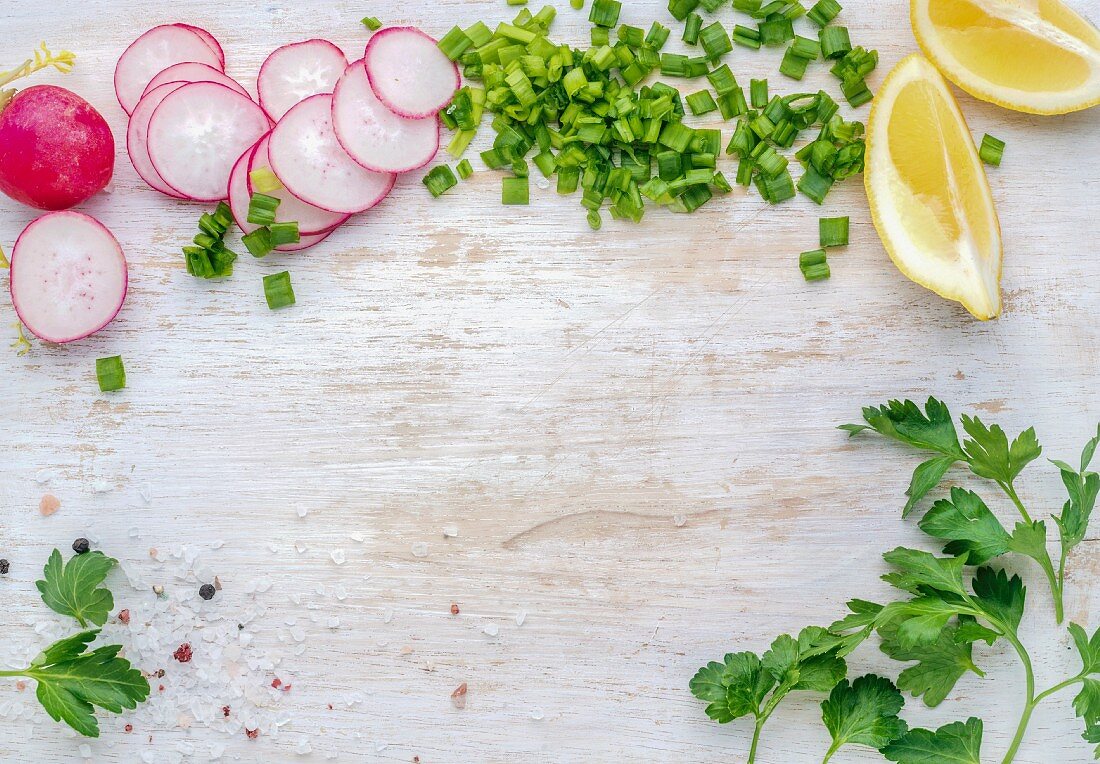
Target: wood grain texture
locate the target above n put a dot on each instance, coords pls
(557, 395)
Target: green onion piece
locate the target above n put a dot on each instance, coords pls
(795, 11)
(546, 164)
(813, 257)
(804, 47)
(110, 373)
(455, 43)
(774, 8)
(769, 161)
(577, 4)
(681, 8)
(515, 191)
(568, 179)
(710, 6)
(722, 79)
(793, 65)
(464, 169)
(605, 13)
(439, 180)
(594, 220)
(835, 42)
(719, 181)
(744, 172)
(732, 104)
(992, 150)
(676, 136)
(223, 215)
(816, 272)
(701, 102)
(285, 233)
(747, 6)
(833, 232)
(632, 36)
(714, 40)
(657, 36)
(278, 290)
(520, 168)
(823, 12)
(517, 2)
(264, 180)
(479, 34)
(372, 23)
(776, 30)
(856, 92)
(758, 93)
(815, 185)
(746, 37)
(599, 36)
(777, 189)
(692, 199)
(460, 142)
(259, 243)
(692, 25)
(262, 208)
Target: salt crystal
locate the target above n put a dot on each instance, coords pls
(380, 746)
(420, 549)
(300, 548)
(338, 556)
(217, 544)
(134, 533)
(102, 486)
(521, 616)
(146, 492)
(680, 520)
(263, 584)
(358, 537)
(273, 548)
(340, 591)
(450, 531)
(542, 183)
(492, 630)
(302, 511)
(43, 476)
(537, 714)
(303, 746)
(387, 615)
(86, 751)
(216, 751)
(334, 622)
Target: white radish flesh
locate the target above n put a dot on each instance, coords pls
(68, 277)
(197, 133)
(137, 138)
(409, 73)
(210, 40)
(373, 135)
(189, 71)
(308, 159)
(311, 220)
(294, 72)
(154, 52)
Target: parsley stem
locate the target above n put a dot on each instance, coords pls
(11, 673)
(756, 738)
(1057, 688)
(832, 749)
(1011, 493)
(1056, 579)
(1032, 701)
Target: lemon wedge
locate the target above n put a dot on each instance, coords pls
(929, 196)
(1036, 56)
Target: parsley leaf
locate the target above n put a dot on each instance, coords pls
(73, 589)
(940, 664)
(990, 455)
(926, 476)
(864, 713)
(1088, 648)
(71, 681)
(972, 530)
(920, 570)
(954, 743)
(1087, 702)
(1082, 487)
(735, 688)
(1000, 596)
(1092, 735)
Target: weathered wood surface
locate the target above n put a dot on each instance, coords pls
(632, 432)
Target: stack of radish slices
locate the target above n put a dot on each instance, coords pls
(335, 135)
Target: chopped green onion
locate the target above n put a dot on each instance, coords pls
(795, 11)
(835, 42)
(517, 2)
(777, 189)
(746, 36)
(856, 92)
(681, 8)
(833, 232)
(804, 47)
(568, 179)
(605, 13)
(594, 220)
(464, 169)
(817, 272)
(815, 185)
(823, 12)
(746, 6)
(714, 40)
(259, 243)
(439, 180)
(576, 4)
(262, 208)
(774, 8)
(285, 233)
(479, 34)
(733, 104)
(515, 191)
(692, 25)
(455, 43)
(278, 290)
(372, 23)
(710, 6)
(110, 373)
(701, 102)
(264, 180)
(744, 172)
(758, 92)
(722, 79)
(657, 36)
(776, 30)
(813, 257)
(632, 36)
(793, 65)
(992, 150)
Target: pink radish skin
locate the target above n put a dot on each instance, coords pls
(197, 132)
(56, 150)
(190, 71)
(306, 156)
(68, 277)
(137, 138)
(238, 203)
(210, 40)
(154, 52)
(409, 73)
(297, 71)
(311, 220)
(373, 135)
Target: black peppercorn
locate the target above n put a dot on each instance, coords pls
(81, 546)
(206, 591)
(5, 566)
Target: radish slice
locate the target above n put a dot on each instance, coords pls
(373, 135)
(310, 219)
(307, 158)
(297, 71)
(68, 276)
(210, 41)
(197, 132)
(137, 138)
(409, 73)
(238, 203)
(154, 52)
(190, 71)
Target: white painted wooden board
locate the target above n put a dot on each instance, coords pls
(556, 395)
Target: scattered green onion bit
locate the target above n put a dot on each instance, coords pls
(681, 8)
(813, 265)
(515, 191)
(701, 102)
(260, 242)
(455, 43)
(835, 42)
(262, 208)
(278, 290)
(692, 25)
(823, 12)
(715, 41)
(285, 233)
(605, 13)
(464, 169)
(110, 373)
(746, 37)
(372, 23)
(209, 257)
(439, 180)
(992, 150)
(833, 232)
(758, 93)
(264, 180)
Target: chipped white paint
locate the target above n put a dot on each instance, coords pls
(633, 430)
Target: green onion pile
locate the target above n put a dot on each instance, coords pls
(262, 241)
(584, 117)
(209, 258)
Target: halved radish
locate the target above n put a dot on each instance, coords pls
(210, 40)
(154, 52)
(373, 135)
(308, 159)
(68, 276)
(191, 71)
(409, 73)
(137, 138)
(310, 219)
(297, 71)
(196, 134)
(238, 203)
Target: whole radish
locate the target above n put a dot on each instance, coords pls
(56, 150)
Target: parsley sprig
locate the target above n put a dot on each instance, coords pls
(72, 679)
